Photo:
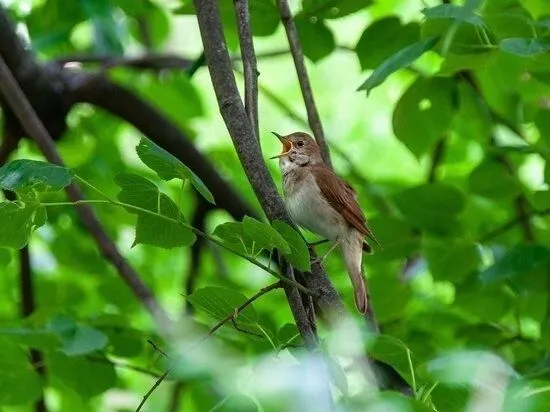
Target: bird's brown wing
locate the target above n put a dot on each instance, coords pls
(341, 196)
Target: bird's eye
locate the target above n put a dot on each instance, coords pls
(300, 143)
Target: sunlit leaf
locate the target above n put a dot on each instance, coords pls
(403, 58)
(32, 174)
(168, 167)
(159, 223)
(18, 222)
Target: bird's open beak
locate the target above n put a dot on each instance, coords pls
(287, 145)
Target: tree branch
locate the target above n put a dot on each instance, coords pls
(231, 316)
(242, 134)
(507, 226)
(303, 78)
(249, 63)
(437, 157)
(35, 129)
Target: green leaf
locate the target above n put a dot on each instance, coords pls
(5, 257)
(85, 376)
(18, 222)
(492, 180)
(264, 17)
(524, 47)
(264, 236)
(219, 302)
(451, 261)
(433, 207)
(316, 38)
(382, 39)
(333, 9)
(394, 352)
(424, 113)
(77, 339)
(403, 58)
(337, 375)
(152, 229)
(457, 13)
(168, 167)
(237, 402)
(521, 259)
(464, 367)
(19, 382)
(289, 335)
(31, 174)
(299, 252)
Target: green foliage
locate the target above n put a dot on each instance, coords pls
(449, 158)
(159, 221)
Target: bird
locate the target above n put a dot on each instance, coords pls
(325, 204)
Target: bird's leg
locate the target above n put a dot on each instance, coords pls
(321, 259)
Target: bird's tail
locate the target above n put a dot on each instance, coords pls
(352, 245)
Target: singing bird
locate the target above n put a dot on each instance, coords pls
(323, 203)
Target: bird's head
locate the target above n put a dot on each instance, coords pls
(299, 149)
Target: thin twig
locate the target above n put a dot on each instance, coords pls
(122, 365)
(303, 78)
(249, 63)
(437, 157)
(507, 226)
(157, 348)
(213, 330)
(29, 120)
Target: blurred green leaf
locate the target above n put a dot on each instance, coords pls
(382, 39)
(19, 382)
(434, 207)
(316, 38)
(264, 17)
(424, 113)
(492, 180)
(151, 229)
(31, 174)
(5, 257)
(220, 302)
(85, 376)
(332, 9)
(451, 261)
(463, 367)
(520, 259)
(78, 339)
(394, 352)
(454, 12)
(18, 222)
(401, 59)
(289, 335)
(298, 256)
(237, 402)
(524, 47)
(168, 167)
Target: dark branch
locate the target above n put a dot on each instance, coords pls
(249, 64)
(303, 78)
(35, 129)
(148, 61)
(437, 157)
(510, 225)
(241, 131)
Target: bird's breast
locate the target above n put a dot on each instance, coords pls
(308, 208)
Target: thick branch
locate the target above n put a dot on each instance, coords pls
(240, 129)
(36, 130)
(303, 78)
(249, 64)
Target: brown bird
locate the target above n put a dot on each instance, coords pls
(320, 201)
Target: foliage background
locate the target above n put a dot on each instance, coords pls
(443, 154)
